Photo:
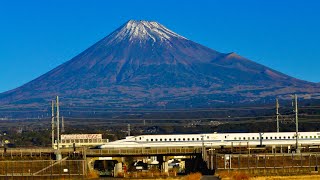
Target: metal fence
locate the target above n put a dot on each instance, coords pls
(267, 161)
(143, 151)
(43, 169)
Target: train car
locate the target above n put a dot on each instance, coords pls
(217, 140)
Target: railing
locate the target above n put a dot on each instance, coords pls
(267, 161)
(95, 152)
(43, 168)
(142, 151)
(20, 152)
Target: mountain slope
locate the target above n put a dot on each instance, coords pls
(143, 63)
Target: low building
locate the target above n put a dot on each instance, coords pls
(79, 140)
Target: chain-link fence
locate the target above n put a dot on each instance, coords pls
(43, 169)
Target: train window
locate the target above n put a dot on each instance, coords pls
(314, 136)
(188, 139)
(147, 139)
(318, 136)
(275, 137)
(156, 139)
(225, 137)
(261, 137)
(310, 137)
(235, 138)
(292, 137)
(165, 139)
(248, 138)
(160, 139)
(207, 137)
(183, 139)
(151, 139)
(270, 137)
(266, 137)
(257, 137)
(284, 137)
(169, 139)
(279, 137)
(288, 137)
(253, 138)
(174, 139)
(179, 139)
(135, 139)
(192, 139)
(197, 139)
(239, 138)
(244, 138)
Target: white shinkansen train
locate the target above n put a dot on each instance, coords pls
(217, 140)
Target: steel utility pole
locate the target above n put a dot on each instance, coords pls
(297, 125)
(277, 109)
(203, 148)
(52, 123)
(58, 123)
(129, 130)
(62, 124)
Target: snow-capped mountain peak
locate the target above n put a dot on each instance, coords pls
(144, 31)
(144, 64)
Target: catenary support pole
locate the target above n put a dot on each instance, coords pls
(62, 124)
(277, 109)
(52, 123)
(58, 123)
(297, 123)
(129, 129)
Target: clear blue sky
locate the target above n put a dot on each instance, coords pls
(36, 36)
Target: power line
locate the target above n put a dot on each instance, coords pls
(162, 119)
(146, 110)
(166, 119)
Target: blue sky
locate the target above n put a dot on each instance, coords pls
(36, 36)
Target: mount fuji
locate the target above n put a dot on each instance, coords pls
(144, 64)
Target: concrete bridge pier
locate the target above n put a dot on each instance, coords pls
(160, 159)
(118, 170)
(274, 149)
